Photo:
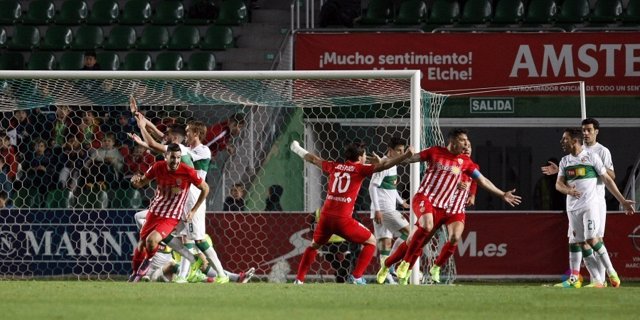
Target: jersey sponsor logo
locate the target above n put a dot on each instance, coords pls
(453, 169)
(339, 199)
(344, 167)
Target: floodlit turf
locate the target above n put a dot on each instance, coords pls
(118, 300)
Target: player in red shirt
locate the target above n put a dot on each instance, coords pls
(218, 135)
(345, 180)
(444, 171)
(173, 180)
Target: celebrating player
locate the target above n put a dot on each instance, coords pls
(443, 173)
(345, 180)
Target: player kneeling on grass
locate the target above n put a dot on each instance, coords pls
(345, 180)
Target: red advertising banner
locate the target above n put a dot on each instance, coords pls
(494, 245)
(609, 63)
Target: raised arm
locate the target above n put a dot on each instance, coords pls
(151, 142)
(386, 163)
(306, 155)
(506, 196)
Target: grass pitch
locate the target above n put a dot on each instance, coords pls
(119, 300)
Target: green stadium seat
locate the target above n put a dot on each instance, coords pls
(42, 60)
(72, 12)
(58, 198)
(573, 11)
(169, 61)
(232, 12)
(476, 12)
(10, 12)
(443, 12)
(168, 12)
(71, 60)
(88, 38)
(607, 11)
(153, 38)
(508, 12)
(378, 13)
(136, 12)
(205, 61)
(108, 60)
(24, 38)
(121, 38)
(40, 12)
(217, 38)
(3, 37)
(104, 12)
(411, 12)
(184, 38)
(541, 12)
(11, 61)
(137, 61)
(57, 38)
(632, 13)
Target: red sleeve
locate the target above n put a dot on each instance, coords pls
(214, 140)
(470, 166)
(193, 176)
(366, 170)
(327, 166)
(426, 154)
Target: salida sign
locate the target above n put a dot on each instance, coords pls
(609, 63)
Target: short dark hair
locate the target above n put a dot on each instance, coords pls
(90, 53)
(4, 195)
(594, 122)
(574, 133)
(354, 150)
(396, 141)
(177, 129)
(173, 147)
(237, 118)
(456, 132)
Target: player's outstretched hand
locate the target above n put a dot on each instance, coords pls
(136, 178)
(512, 199)
(374, 158)
(133, 105)
(549, 169)
(135, 137)
(628, 207)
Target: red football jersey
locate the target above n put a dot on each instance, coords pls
(458, 202)
(443, 173)
(217, 137)
(345, 180)
(172, 188)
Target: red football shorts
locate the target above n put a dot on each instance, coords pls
(421, 206)
(456, 217)
(346, 227)
(162, 225)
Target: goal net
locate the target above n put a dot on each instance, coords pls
(67, 161)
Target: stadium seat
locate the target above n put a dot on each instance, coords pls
(202, 61)
(476, 12)
(170, 61)
(153, 38)
(168, 12)
(411, 12)
(136, 12)
(11, 61)
(104, 12)
(121, 38)
(508, 12)
(57, 38)
(378, 13)
(443, 12)
(217, 38)
(108, 60)
(184, 38)
(232, 12)
(573, 11)
(541, 12)
(58, 198)
(10, 12)
(71, 60)
(632, 13)
(88, 38)
(137, 61)
(607, 11)
(42, 60)
(40, 12)
(24, 38)
(72, 12)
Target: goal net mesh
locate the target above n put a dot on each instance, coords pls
(67, 161)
